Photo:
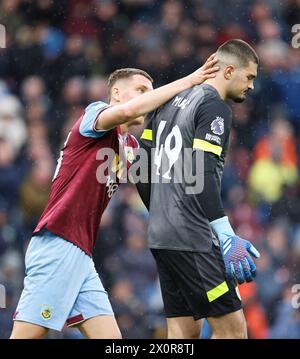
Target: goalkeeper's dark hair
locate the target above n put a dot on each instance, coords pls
(124, 74)
(238, 51)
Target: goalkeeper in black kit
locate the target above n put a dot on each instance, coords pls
(199, 258)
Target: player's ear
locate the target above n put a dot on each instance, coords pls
(115, 94)
(228, 71)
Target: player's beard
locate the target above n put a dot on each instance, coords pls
(239, 99)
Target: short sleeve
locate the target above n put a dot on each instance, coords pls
(212, 126)
(87, 127)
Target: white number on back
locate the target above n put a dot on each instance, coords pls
(172, 153)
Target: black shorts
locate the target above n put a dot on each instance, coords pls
(194, 284)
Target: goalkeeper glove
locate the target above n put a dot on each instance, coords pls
(236, 252)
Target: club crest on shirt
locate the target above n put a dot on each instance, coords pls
(217, 126)
(129, 154)
(46, 312)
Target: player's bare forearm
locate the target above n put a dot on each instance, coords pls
(150, 101)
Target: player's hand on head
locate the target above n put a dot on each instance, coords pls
(207, 71)
(237, 254)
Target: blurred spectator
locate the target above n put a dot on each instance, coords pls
(7, 314)
(72, 61)
(33, 90)
(3, 224)
(26, 56)
(135, 262)
(287, 208)
(52, 11)
(10, 17)
(12, 126)
(275, 162)
(291, 12)
(96, 89)
(280, 144)
(34, 192)
(9, 173)
(274, 268)
(129, 310)
(254, 313)
(172, 13)
(67, 110)
(95, 58)
(287, 324)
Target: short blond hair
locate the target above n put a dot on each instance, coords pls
(124, 74)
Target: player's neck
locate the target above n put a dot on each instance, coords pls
(218, 87)
(124, 128)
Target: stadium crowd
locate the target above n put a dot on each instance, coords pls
(57, 57)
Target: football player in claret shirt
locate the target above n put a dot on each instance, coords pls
(61, 284)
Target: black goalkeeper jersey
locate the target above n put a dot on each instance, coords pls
(195, 119)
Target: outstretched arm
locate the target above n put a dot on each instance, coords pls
(141, 105)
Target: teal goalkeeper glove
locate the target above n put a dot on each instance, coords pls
(236, 252)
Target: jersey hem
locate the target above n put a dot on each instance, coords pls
(62, 236)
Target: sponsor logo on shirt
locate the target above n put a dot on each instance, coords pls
(213, 138)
